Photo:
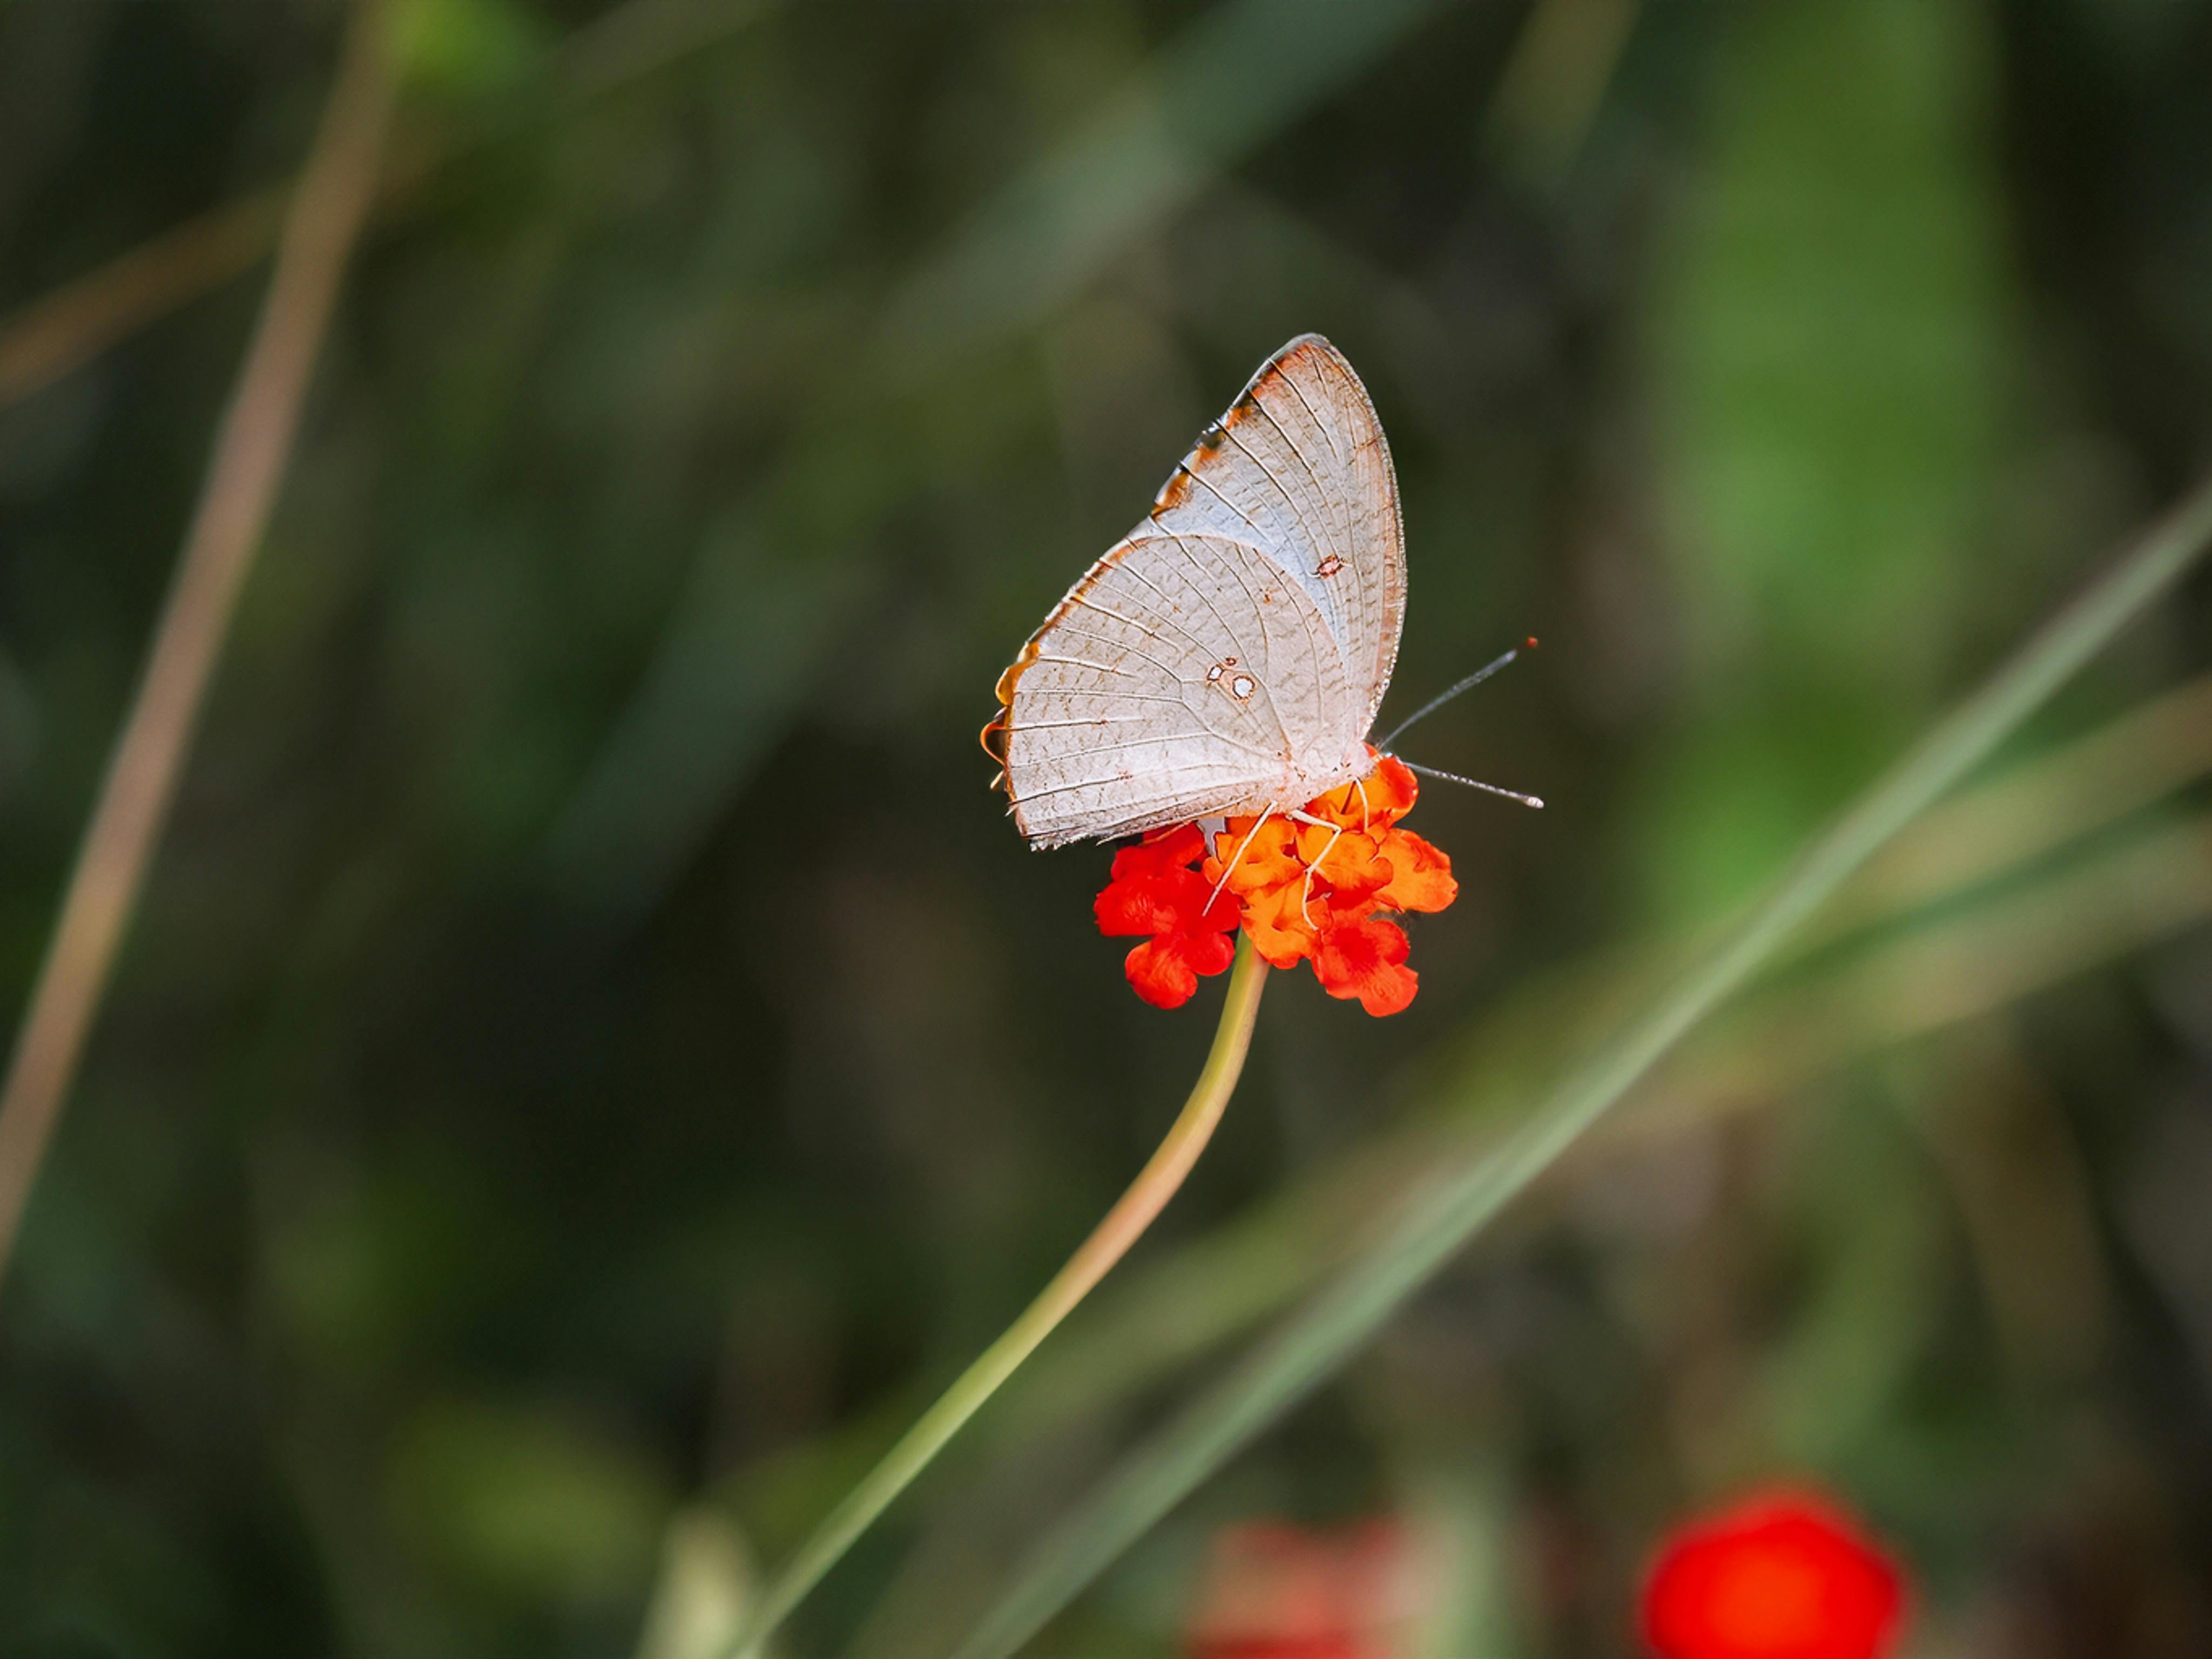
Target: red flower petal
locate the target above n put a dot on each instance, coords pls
(1153, 891)
(1364, 959)
(1783, 1576)
(1145, 903)
(1158, 854)
(1270, 1592)
(1165, 971)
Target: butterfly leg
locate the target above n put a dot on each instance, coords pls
(1336, 831)
(1229, 869)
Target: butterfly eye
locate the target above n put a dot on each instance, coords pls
(1329, 565)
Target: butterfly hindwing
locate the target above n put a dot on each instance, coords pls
(1177, 680)
(1230, 654)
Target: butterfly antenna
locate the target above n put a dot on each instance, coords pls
(1472, 783)
(1467, 684)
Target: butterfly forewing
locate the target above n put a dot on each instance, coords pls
(1298, 466)
(1230, 654)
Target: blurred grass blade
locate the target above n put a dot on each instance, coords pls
(2142, 755)
(2153, 887)
(62, 331)
(1439, 1220)
(1548, 97)
(706, 1580)
(252, 450)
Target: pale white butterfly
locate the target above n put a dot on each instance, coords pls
(1227, 657)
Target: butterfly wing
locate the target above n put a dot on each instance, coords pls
(1231, 653)
(1299, 467)
(1179, 679)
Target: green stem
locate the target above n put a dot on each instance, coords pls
(1109, 1241)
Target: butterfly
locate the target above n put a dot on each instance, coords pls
(1227, 657)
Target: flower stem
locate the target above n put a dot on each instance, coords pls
(1109, 1241)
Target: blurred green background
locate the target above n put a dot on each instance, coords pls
(593, 1057)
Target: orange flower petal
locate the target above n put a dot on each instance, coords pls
(1373, 803)
(1277, 931)
(1340, 805)
(1392, 789)
(1268, 858)
(1353, 867)
(1420, 874)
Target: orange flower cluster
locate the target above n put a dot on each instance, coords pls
(1311, 889)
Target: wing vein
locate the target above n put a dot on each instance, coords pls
(1084, 601)
(1166, 737)
(1340, 533)
(1122, 645)
(1298, 393)
(1100, 783)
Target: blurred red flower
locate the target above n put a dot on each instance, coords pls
(1313, 891)
(1782, 1575)
(1273, 1591)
